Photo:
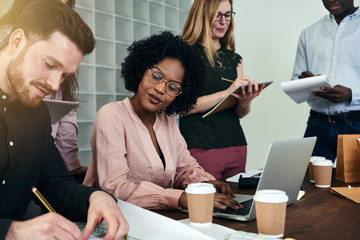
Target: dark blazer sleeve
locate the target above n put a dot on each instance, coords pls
(4, 226)
(67, 197)
(35, 161)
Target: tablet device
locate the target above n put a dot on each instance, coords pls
(230, 101)
(59, 108)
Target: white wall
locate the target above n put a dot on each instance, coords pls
(266, 37)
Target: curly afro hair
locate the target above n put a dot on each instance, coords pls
(146, 53)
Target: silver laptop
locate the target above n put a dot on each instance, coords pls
(284, 169)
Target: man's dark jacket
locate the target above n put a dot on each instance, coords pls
(33, 160)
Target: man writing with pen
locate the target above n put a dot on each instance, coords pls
(45, 45)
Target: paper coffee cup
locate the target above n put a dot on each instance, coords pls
(270, 206)
(322, 172)
(200, 199)
(311, 168)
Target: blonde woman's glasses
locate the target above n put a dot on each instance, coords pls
(228, 16)
(172, 88)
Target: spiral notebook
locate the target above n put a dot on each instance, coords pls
(301, 90)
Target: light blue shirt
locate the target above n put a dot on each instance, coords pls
(334, 50)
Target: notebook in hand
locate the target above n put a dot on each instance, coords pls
(301, 90)
(284, 169)
(230, 101)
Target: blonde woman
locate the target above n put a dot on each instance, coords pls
(217, 141)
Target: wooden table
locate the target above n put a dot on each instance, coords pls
(318, 215)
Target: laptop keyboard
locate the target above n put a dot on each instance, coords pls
(242, 211)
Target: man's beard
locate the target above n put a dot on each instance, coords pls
(17, 81)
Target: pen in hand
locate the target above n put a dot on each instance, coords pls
(43, 200)
(49, 207)
(228, 80)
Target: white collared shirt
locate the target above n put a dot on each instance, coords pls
(334, 50)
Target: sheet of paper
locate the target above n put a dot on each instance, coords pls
(241, 235)
(300, 195)
(301, 90)
(147, 225)
(215, 231)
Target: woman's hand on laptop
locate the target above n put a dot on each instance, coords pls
(223, 201)
(222, 187)
(224, 196)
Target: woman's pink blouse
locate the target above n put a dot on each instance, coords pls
(125, 163)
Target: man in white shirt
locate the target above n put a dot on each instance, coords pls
(331, 46)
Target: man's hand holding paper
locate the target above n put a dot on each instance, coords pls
(336, 94)
(303, 89)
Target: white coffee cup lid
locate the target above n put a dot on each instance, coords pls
(313, 158)
(322, 162)
(271, 196)
(200, 188)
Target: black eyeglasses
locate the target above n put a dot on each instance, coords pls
(228, 16)
(172, 88)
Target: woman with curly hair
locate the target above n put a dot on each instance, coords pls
(138, 153)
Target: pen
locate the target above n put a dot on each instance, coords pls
(225, 79)
(42, 199)
(49, 207)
